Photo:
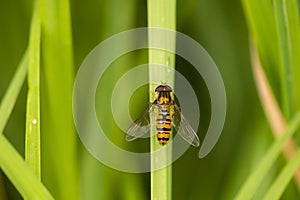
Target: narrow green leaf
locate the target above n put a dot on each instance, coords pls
(292, 13)
(285, 55)
(262, 28)
(32, 143)
(161, 14)
(278, 187)
(11, 95)
(60, 164)
(257, 176)
(20, 174)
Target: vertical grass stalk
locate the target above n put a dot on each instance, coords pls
(32, 143)
(59, 136)
(161, 14)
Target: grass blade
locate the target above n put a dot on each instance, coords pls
(261, 25)
(60, 164)
(267, 161)
(20, 174)
(274, 26)
(285, 55)
(161, 14)
(294, 35)
(11, 95)
(271, 108)
(278, 187)
(32, 143)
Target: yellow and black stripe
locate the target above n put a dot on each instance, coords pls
(163, 126)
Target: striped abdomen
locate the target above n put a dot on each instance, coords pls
(163, 126)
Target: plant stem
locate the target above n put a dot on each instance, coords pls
(32, 143)
(160, 14)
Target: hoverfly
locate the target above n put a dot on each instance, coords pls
(167, 114)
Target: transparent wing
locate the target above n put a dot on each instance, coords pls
(140, 127)
(183, 128)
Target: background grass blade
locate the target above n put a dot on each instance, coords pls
(161, 14)
(8, 103)
(60, 160)
(285, 55)
(92, 174)
(257, 176)
(19, 173)
(271, 108)
(32, 143)
(11, 95)
(292, 13)
(219, 26)
(278, 187)
(261, 24)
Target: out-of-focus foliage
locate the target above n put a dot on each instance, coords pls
(221, 27)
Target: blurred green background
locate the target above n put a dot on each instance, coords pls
(219, 26)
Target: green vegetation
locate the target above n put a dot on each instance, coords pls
(43, 44)
(33, 135)
(161, 14)
(254, 181)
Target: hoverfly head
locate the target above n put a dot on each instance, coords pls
(163, 88)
